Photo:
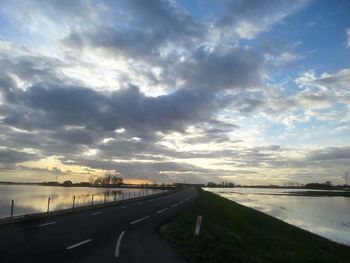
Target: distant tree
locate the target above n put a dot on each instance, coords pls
(67, 183)
(231, 184)
(116, 180)
(108, 180)
(329, 183)
(211, 184)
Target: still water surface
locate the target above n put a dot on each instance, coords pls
(30, 199)
(326, 216)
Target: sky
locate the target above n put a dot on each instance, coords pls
(250, 92)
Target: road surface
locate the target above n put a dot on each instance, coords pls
(121, 233)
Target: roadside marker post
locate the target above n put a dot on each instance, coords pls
(198, 226)
(12, 205)
(73, 201)
(48, 204)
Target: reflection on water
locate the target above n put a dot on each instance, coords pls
(34, 199)
(326, 216)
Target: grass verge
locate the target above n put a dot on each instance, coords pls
(234, 233)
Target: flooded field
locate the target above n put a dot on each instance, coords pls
(30, 199)
(327, 216)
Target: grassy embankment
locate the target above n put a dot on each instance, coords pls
(233, 233)
(321, 193)
(308, 193)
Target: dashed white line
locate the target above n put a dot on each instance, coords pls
(47, 224)
(162, 210)
(174, 205)
(96, 213)
(79, 244)
(138, 220)
(117, 247)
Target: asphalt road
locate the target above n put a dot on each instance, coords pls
(121, 233)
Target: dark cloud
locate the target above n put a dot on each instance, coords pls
(28, 67)
(154, 25)
(145, 170)
(49, 107)
(330, 154)
(213, 131)
(221, 69)
(12, 156)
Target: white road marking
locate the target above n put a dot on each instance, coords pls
(189, 197)
(123, 207)
(174, 205)
(79, 244)
(96, 213)
(161, 211)
(47, 224)
(136, 221)
(117, 247)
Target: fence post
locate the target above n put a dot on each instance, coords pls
(123, 196)
(129, 195)
(48, 204)
(92, 199)
(73, 201)
(104, 200)
(12, 205)
(115, 197)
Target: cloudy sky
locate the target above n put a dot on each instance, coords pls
(251, 92)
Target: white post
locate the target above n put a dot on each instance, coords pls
(73, 201)
(198, 226)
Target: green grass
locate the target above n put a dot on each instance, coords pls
(321, 193)
(233, 233)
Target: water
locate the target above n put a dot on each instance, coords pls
(326, 216)
(31, 199)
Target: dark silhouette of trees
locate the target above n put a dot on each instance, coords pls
(108, 180)
(67, 183)
(223, 184)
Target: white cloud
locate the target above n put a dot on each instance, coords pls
(332, 87)
(348, 37)
(284, 59)
(246, 19)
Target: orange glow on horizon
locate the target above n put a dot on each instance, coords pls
(137, 181)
